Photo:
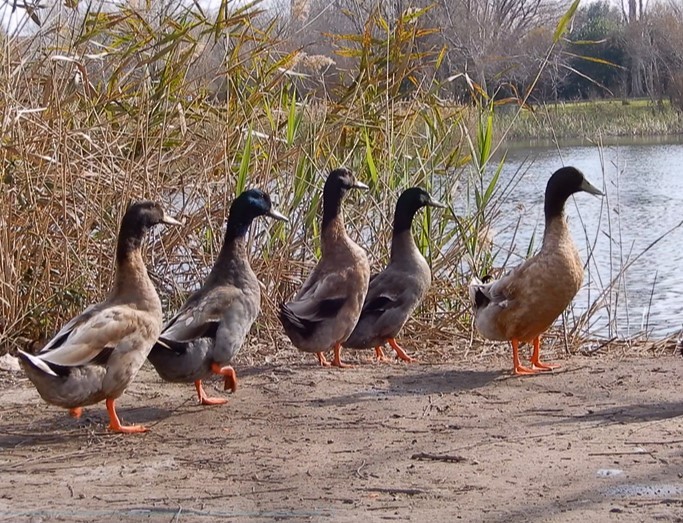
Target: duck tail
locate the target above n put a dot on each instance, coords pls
(290, 320)
(37, 363)
(477, 295)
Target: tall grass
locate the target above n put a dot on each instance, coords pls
(189, 110)
(592, 120)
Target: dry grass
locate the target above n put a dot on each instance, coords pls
(100, 111)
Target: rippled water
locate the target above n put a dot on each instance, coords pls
(643, 182)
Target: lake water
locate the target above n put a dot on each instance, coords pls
(643, 183)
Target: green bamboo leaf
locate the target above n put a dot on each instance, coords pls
(241, 184)
(494, 181)
(370, 160)
(564, 21)
(293, 118)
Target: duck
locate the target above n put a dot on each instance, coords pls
(326, 308)
(395, 292)
(209, 329)
(524, 303)
(97, 354)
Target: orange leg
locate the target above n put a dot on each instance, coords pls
(336, 361)
(76, 412)
(380, 356)
(229, 373)
(204, 399)
(536, 357)
(115, 424)
(322, 359)
(400, 353)
(519, 369)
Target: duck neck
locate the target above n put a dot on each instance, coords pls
(129, 243)
(403, 245)
(333, 232)
(553, 206)
(130, 267)
(233, 254)
(332, 213)
(402, 242)
(556, 232)
(132, 283)
(333, 227)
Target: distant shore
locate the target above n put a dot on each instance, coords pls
(591, 120)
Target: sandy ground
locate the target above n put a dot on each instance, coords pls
(599, 440)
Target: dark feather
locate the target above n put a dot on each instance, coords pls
(330, 308)
(58, 342)
(379, 304)
(306, 327)
(209, 330)
(480, 299)
(103, 357)
(59, 370)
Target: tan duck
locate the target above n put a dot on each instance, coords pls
(525, 302)
(395, 292)
(209, 329)
(325, 310)
(97, 354)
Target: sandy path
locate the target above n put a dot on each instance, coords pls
(380, 442)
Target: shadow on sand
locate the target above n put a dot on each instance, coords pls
(426, 382)
(61, 428)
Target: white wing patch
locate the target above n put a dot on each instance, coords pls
(104, 329)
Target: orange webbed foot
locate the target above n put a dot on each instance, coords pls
(519, 369)
(524, 371)
(115, 423)
(322, 359)
(229, 373)
(76, 412)
(380, 357)
(536, 357)
(336, 361)
(543, 367)
(400, 353)
(204, 399)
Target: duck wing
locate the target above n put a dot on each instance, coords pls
(323, 299)
(198, 318)
(91, 336)
(499, 292)
(385, 292)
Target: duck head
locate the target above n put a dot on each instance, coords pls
(411, 201)
(337, 185)
(139, 218)
(562, 184)
(246, 207)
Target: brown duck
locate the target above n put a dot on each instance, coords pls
(525, 302)
(325, 310)
(97, 354)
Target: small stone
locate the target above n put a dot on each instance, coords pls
(9, 363)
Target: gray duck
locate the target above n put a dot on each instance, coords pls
(209, 329)
(395, 292)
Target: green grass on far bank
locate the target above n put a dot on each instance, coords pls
(590, 120)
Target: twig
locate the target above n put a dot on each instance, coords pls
(391, 490)
(663, 442)
(176, 517)
(424, 456)
(624, 453)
